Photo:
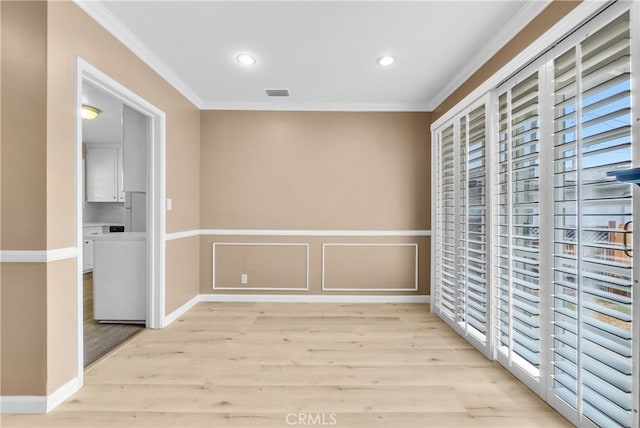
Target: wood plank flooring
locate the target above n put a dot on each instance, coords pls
(281, 364)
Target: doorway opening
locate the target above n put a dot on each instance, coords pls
(120, 214)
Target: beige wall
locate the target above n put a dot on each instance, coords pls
(182, 260)
(23, 334)
(315, 170)
(391, 266)
(271, 265)
(40, 41)
(23, 340)
(61, 323)
(553, 13)
(310, 170)
(23, 169)
(397, 269)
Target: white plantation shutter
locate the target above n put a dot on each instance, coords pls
(592, 261)
(472, 282)
(460, 269)
(559, 267)
(518, 225)
(444, 239)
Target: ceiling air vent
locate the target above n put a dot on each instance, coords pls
(277, 92)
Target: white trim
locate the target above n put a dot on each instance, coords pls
(306, 298)
(435, 189)
(259, 244)
(23, 404)
(109, 22)
(180, 311)
(529, 12)
(78, 199)
(325, 245)
(284, 232)
(311, 232)
(181, 235)
(157, 173)
(566, 25)
(39, 404)
(318, 106)
(62, 393)
(85, 72)
(37, 256)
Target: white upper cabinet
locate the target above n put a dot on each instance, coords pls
(104, 173)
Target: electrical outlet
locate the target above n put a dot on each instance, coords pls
(244, 278)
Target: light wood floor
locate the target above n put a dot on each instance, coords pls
(252, 364)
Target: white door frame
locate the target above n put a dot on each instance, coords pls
(85, 72)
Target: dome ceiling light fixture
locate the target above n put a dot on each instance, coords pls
(89, 112)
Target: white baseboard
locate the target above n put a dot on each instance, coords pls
(305, 298)
(23, 404)
(38, 403)
(168, 319)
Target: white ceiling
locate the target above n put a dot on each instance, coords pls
(324, 52)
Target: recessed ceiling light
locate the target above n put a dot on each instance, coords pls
(385, 60)
(245, 59)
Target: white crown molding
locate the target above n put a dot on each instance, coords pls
(508, 32)
(305, 298)
(39, 403)
(312, 106)
(37, 256)
(97, 11)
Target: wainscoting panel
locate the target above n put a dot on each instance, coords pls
(267, 266)
(362, 267)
